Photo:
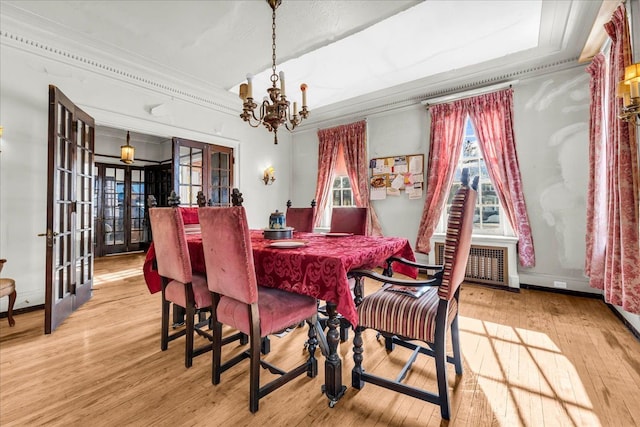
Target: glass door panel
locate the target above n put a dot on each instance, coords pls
(120, 197)
(137, 206)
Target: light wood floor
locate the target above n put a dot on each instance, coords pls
(533, 359)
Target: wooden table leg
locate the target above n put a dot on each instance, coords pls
(333, 387)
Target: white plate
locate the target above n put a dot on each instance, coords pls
(338, 234)
(286, 245)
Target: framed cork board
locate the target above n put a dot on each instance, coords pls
(393, 174)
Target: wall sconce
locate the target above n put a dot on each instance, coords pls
(629, 91)
(269, 175)
(127, 152)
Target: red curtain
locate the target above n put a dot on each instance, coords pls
(596, 195)
(622, 258)
(327, 153)
(447, 129)
(351, 140)
(492, 117)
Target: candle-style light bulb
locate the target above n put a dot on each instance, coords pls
(303, 88)
(282, 83)
(243, 91)
(249, 86)
(295, 108)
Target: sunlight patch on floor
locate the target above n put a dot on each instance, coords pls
(530, 370)
(103, 278)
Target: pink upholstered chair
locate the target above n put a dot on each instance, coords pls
(401, 318)
(349, 220)
(301, 219)
(239, 302)
(8, 288)
(180, 285)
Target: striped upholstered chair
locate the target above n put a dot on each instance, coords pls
(407, 319)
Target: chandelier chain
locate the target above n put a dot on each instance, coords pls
(274, 76)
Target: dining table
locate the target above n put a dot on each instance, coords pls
(314, 264)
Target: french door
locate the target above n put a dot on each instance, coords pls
(120, 208)
(69, 235)
(199, 166)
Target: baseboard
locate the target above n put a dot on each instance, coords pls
(23, 310)
(489, 285)
(634, 331)
(562, 291)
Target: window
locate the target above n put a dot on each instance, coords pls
(342, 195)
(488, 217)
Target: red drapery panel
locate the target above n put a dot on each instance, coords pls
(351, 139)
(447, 128)
(596, 195)
(622, 259)
(327, 153)
(492, 117)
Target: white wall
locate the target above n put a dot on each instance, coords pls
(551, 126)
(25, 73)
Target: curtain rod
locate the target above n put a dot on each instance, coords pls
(467, 93)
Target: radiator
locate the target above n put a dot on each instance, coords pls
(487, 264)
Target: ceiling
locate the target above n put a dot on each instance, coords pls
(349, 52)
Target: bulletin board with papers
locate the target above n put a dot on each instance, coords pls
(391, 175)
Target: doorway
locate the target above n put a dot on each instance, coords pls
(119, 209)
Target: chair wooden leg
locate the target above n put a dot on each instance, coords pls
(356, 372)
(254, 374)
(164, 339)
(265, 346)
(189, 327)
(440, 355)
(344, 329)
(455, 344)
(12, 301)
(216, 350)
(312, 344)
(388, 343)
(244, 339)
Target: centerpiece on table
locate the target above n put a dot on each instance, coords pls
(278, 227)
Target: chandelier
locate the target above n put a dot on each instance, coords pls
(629, 91)
(274, 109)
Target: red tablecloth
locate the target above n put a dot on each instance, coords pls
(318, 269)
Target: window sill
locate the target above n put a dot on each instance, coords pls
(482, 238)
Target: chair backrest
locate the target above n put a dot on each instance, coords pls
(170, 244)
(349, 220)
(458, 241)
(301, 219)
(2, 261)
(227, 253)
(189, 215)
